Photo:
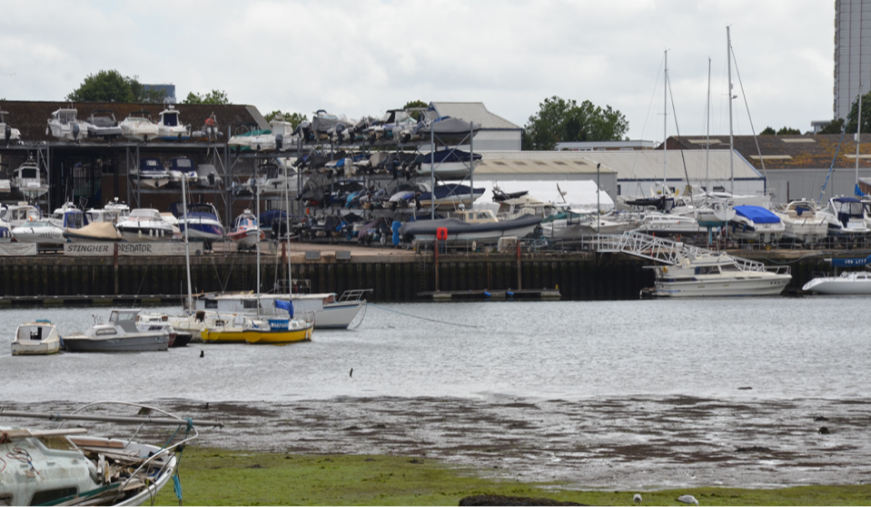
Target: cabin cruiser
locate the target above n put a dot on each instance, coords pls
(667, 223)
(709, 274)
(145, 224)
(850, 282)
(845, 217)
(5, 231)
(328, 311)
(30, 179)
(36, 338)
(754, 223)
(802, 222)
(64, 125)
(21, 213)
(179, 167)
(169, 126)
(150, 174)
(208, 176)
(280, 137)
(246, 230)
(68, 216)
(201, 221)
(120, 334)
(273, 178)
(448, 164)
(113, 212)
(102, 124)
(8, 135)
(139, 127)
(480, 226)
(450, 196)
(42, 232)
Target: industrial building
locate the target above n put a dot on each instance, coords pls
(496, 134)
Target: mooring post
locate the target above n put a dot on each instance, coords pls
(436, 244)
(519, 268)
(115, 257)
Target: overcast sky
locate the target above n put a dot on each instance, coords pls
(362, 57)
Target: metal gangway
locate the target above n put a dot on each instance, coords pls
(661, 250)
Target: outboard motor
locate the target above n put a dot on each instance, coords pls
(211, 179)
(76, 131)
(279, 141)
(7, 135)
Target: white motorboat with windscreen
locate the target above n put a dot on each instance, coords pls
(801, 221)
(64, 125)
(120, 334)
(145, 224)
(37, 338)
(851, 282)
(139, 127)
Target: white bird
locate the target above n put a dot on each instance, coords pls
(636, 498)
(688, 499)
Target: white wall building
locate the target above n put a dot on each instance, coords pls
(496, 134)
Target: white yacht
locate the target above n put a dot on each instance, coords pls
(41, 232)
(170, 127)
(64, 125)
(802, 222)
(30, 179)
(8, 134)
(719, 275)
(139, 127)
(850, 282)
(845, 217)
(145, 224)
(150, 174)
(21, 213)
(36, 338)
(113, 212)
(755, 223)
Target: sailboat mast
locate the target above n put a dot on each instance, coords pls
(187, 248)
(287, 225)
(859, 116)
(665, 125)
(731, 140)
(708, 131)
(257, 207)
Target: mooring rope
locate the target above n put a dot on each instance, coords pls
(422, 318)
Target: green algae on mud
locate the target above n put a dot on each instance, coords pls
(221, 477)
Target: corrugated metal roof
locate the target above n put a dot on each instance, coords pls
(475, 112)
(526, 162)
(648, 164)
(629, 165)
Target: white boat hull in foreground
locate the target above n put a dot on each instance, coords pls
(850, 283)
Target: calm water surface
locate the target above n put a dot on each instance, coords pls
(782, 348)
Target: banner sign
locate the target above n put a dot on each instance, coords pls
(130, 249)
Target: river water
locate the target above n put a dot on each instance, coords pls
(618, 394)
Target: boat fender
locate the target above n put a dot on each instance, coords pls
(442, 233)
(665, 269)
(509, 293)
(486, 294)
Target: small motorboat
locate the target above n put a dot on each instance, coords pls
(8, 135)
(68, 216)
(103, 125)
(36, 339)
(755, 223)
(41, 232)
(95, 232)
(850, 282)
(30, 179)
(201, 221)
(150, 174)
(139, 127)
(246, 229)
(181, 167)
(208, 176)
(113, 212)
(249, 137)
(449, 164)
(145, 224)
(21, 213)
(120, 334)
(153, 322)
(451, 196)
(170, 128)
(845, 217)
(480, 226)
(802, 222)
(64, 125)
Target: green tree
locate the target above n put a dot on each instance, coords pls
(768, 131)
(560, 120)
(111, 86)
(866, 115)
(214, 97)
(415, 103)
(835, 127)
(786, 131)
(293, 118)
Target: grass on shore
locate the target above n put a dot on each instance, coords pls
(221, 477)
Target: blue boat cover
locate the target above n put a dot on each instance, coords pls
(757, 215)
(285, 305)
(845, 199)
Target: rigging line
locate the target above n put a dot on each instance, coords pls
(646, 119)
(421, 318)
(747, 105)
(677, 128)
(831, 167)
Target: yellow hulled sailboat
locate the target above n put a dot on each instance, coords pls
(252, 330)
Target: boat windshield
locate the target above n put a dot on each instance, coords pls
(170, 119)
(123, 315)
(29, 173)
(852, 208)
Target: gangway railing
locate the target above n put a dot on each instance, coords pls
(660, 250)
(354, 295)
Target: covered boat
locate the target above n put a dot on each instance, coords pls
(102, 124)
(480, 226)
(120, 334)
(97, 231)
(36, 338)
(451, 196)
(449, 164)
(139, 127)
(755, 223)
